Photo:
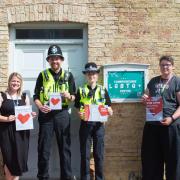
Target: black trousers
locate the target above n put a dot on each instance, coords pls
(161, 148)
(58, 122)
(92, 131)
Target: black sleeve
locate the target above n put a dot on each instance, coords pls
(77, 100)
(152, 82)
(108, 100)
(72, 86)
(149, 84)
(39, 84)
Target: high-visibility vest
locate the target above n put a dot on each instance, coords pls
(98, 98)
(51, 86)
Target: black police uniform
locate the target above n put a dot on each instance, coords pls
(57, 121)
(91, 131)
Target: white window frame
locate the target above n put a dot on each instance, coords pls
(13, 41)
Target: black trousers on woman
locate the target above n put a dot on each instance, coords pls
(92, 131)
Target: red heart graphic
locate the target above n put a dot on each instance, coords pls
(103, 110)
(55, 101)
(86, 112)
(154, 107)
(23, 118)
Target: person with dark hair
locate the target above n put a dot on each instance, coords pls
(59, 81)
(14, 144)
(167, 58)
(91, 93)
(161, 139)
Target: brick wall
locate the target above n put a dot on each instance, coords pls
(118, 31)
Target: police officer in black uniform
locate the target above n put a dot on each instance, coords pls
(51, 80)
(91, 93)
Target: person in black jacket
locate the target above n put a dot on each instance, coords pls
(91, 93)
(54, 80)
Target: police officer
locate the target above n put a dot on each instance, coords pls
(91, 93)
(51, 80)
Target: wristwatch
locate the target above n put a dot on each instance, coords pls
(172, 118)
(71, 97)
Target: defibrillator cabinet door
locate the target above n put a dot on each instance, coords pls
(29, 61)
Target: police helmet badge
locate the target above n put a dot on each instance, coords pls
(90, 67)
(54, 50)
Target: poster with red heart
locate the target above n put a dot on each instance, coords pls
(154, 109)
(24, 120)
(55, 101)
(96, 113)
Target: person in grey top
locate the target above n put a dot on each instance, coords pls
(161, 139)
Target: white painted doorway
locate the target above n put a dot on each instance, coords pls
(29, 59)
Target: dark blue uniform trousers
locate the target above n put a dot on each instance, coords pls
(58, 122)
(161, 148)
(92, 131)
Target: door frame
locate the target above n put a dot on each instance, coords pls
(13, 41)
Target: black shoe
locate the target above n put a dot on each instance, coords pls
(71, 178)
(43, 178)
(74, 178)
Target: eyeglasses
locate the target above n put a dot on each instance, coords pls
(165, 65)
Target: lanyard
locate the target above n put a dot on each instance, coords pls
(164, 85)
(15, 101)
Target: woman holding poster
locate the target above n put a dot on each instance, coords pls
(161, 136)
(92, 126)
(14, 144)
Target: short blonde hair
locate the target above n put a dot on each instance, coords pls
(21, 82)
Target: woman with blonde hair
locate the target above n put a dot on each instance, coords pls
(14, 144)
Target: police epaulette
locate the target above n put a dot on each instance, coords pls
(83, 92)
(46, 75)
(66, 75)
(102, 91)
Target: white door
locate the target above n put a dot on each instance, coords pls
(29, 61)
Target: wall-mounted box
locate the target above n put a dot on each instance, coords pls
(125, 82)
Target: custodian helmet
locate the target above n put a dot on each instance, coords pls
(54, 50)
